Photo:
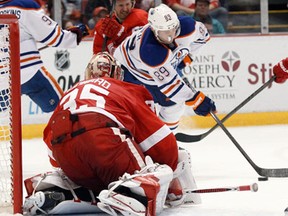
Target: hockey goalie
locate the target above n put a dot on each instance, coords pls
(111, 152)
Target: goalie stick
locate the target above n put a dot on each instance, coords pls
(182, 137)
(253, 188)
(277, 172)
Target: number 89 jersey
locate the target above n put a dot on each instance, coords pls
(153, 63)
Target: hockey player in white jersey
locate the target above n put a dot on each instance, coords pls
(35, 26)
(153, 55)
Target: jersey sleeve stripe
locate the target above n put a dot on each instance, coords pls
(128, 60)
(29, 59)
(61, 38)
(131, 146)
(168, 83)
(171, 87)
(29, 53)
(32, 64)
(49, 36)
(53, 81)
(56, 37)
(177, 90)
(156, 137)
(140, 74)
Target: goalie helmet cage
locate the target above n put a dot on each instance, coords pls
(11, 190)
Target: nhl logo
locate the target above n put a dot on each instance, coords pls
(62, 61)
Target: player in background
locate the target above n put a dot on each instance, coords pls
(123, 22)
(153, 55)
(35, 26)
(103, 129)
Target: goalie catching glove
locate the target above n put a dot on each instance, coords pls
(112, 29)
(280, 70)
(201, 104)
(80, 30)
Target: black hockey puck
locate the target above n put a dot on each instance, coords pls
(262, 178)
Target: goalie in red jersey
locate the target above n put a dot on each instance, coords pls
(122, 23)
(104, 129)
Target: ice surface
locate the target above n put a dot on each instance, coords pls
(216, 162)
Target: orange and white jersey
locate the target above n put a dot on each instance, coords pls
(155, 64)
(35, 26)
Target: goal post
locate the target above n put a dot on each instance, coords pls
(11, 189)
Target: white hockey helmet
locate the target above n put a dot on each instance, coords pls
(163, 18)
(103, 64)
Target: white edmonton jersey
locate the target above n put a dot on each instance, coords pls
(153, 63)
(35, 27)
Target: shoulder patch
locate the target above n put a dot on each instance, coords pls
(152, 52)
(187, 25)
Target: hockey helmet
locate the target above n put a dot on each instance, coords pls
(103, 64)
(163, 18)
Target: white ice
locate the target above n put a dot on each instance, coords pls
(216, 162)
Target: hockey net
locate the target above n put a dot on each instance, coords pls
(10, 117)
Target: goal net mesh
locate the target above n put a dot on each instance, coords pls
(10, 117)
(5, 126)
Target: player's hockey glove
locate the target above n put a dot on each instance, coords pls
(185, 62)
(112, 29)
(280, 70)
(80, 30)
(201, 104)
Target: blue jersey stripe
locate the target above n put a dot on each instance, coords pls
(176, 91)
(169, 83)
(29, 65)
(61, 38)
(50, 35)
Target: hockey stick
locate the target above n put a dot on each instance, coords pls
(253, 188)
(110, 6)
(278, 172)
(182, 137)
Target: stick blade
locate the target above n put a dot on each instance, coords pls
(181, 137)
(276, 173)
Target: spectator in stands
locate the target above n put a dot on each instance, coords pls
(202, 14)
(98, 13)
(147, 4)
(74, 18)
(187, 7)
(50, 11)
(123, 22)
(91, 5)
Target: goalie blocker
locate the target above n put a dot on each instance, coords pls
(144, 193)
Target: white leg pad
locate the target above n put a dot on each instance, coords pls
(183, 181)
(151, 182)
(123, 204)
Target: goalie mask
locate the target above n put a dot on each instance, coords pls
(164, 23)
(103, 65)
